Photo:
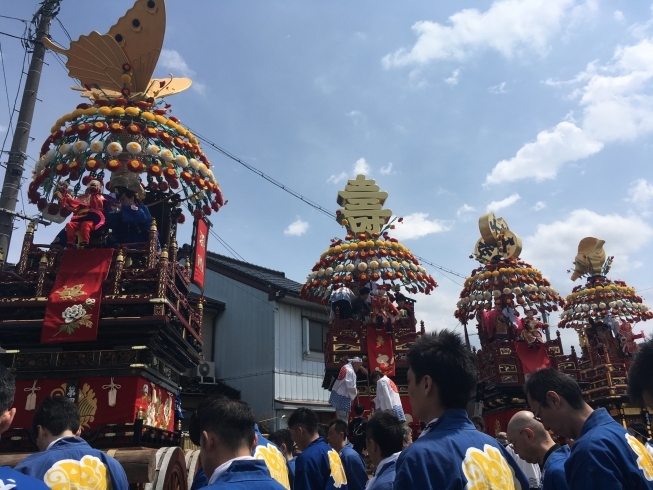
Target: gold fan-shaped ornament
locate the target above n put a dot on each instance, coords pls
(127, 133)
(600, 298)
(503, 279)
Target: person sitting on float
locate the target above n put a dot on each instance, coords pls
(88, 213)
(132, 223)
(531, 333)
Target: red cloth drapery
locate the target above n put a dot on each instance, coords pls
(199, 257)
(73, 310)
(532, 358)
(380, 351)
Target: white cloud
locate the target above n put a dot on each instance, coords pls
(543, 158)
(640, 192)
(387, 170)
(539, 206)
(498, 89)
(436, 309)
(361, 167)
(172, 60)
(617, 106)
(453, 79)
(508, 26)
(464, 209)
(504, 203)
(552, 247)
(618, 15)
(416, 225)
(336, 179)
(296, 228)
(3, 128)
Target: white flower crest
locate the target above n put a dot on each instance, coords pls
(73, 313)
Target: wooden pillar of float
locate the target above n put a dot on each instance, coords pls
(152, 246)
(27, 246)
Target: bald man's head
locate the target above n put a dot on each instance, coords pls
(529, 437)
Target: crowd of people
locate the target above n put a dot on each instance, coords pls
(560, 443)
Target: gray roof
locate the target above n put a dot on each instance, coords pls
(275, 280)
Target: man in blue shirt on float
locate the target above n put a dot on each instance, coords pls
(604, 454)
(354, 465)
(450, 453)
(533, 443)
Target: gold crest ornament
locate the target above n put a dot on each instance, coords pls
(276, 463)
(590, 258)
(86, 403)
(89, 473)
(644, 456)
(488, 469)
(497, 241)
(337, 470)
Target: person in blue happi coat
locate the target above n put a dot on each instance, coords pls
(283, 440)
(11, 479)
(385, 440)
(266, 450)
(450, 453)
(604, 454)
(533, 443)
(318, 467)
(66, 458)
(352, 462)
(640, 381)
(227, 441)
(131, 224)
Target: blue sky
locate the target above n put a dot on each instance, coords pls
(540, 110)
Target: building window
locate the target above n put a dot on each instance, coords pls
(317, 334)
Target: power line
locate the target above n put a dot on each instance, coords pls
(12, 112)
(15, 37)
(4, 75)
(311, 203)
(14, 18)
(229, 248)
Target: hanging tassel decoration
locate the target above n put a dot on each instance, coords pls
(31, 398)
(113, 392)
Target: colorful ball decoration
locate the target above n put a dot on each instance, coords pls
(503, 281)
(366, 258)
(509, 282)
(118, 135)
(600, 299)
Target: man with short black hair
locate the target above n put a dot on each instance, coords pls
(355, 468)
(385, 440)
(227, 440)
(640, 380)
(56, 426)
(318, 467)
(357, 428)
(604, 455)
(132, 223)
(450, 453)
(283, 440)
(12, 479)
(478, 423)
(360, 308)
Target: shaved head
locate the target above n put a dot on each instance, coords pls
(529, 437)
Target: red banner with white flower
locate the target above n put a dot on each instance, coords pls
(380, 351)
(199, 258)
(73, 310)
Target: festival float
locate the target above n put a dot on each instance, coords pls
(603, 312)
(510, 301)
(111, 324)
(369, 256)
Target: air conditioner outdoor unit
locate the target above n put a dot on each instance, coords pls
(206, 370)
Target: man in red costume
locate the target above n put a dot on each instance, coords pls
(88, 214)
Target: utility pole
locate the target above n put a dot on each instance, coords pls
(14, 173)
